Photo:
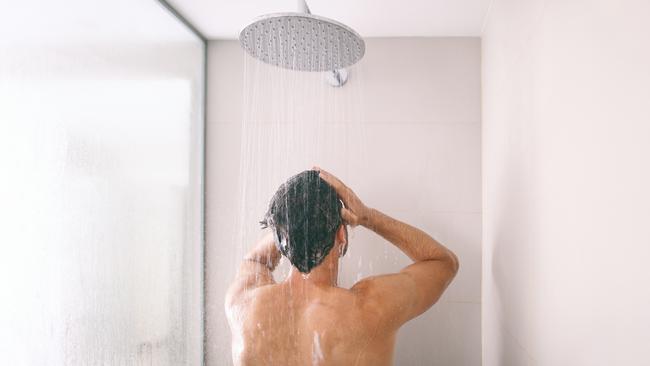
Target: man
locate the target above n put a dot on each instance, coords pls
(307, 319)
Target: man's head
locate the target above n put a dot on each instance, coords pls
(305, 215)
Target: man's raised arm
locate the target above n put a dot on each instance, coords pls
(401, 296)
(256, 269)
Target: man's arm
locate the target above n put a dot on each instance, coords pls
(418, 286)
(404, 295)
(256, 269)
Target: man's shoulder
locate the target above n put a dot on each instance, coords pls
(244, 299)
(277, 294)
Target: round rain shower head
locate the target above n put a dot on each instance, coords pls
(302, 42)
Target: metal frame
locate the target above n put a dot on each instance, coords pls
(203, 40)
(183, 20)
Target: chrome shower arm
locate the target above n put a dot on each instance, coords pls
(302, 7)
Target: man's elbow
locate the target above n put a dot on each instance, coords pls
(229, 301)
(453, 262)
(232, 295)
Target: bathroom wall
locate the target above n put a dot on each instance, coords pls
(566, 174)
(419, 116)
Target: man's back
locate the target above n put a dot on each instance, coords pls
(278, 324)
(307, 319)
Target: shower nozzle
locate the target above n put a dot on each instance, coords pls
(302, 41)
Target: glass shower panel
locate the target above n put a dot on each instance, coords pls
(101, 123)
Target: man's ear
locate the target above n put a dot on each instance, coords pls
(342, 239)
(342, 234)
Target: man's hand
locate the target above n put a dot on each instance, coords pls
(355, 212)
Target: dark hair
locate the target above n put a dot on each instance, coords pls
(304, 214)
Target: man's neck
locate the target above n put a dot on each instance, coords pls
(326, 274)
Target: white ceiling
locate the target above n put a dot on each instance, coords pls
(223, 19)
(39, 22)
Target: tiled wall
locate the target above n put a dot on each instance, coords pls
(566, 191)
(421, 120)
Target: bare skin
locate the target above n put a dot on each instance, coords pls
(309, 320)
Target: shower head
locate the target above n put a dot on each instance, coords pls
(302, 41)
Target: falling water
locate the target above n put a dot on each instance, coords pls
(292, 121)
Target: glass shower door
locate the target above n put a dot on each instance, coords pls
(101, 153)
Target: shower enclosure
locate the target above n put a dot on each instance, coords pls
(101, 150)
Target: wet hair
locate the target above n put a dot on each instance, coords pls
(304, 215)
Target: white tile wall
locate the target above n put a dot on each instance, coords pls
(414, 153)
(422, 80)
(447, 332)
